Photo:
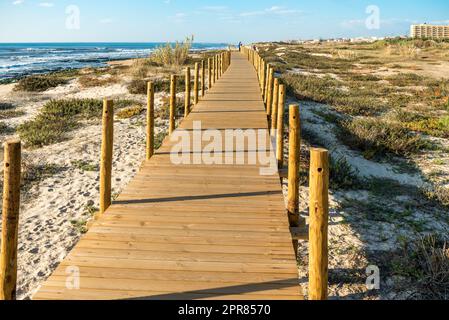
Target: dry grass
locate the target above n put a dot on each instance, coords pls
(425, 262)
(138, 86)
(376, 137)
(8, 111)
(92, 81)
(345, 54)
(173, 56)
(140, 68)
(164, 111)
(130, 112)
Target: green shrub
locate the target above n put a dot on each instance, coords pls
(438, 127)
(39, 83)
(5, 129)
(6, 106)
(8, 114)
(438, 194)
(342, 175)
(405, 79)
(159, 139)
(375, 137)
(7, 111)
(86, 165)
(56, 119)
(328, 90)
(425, 262)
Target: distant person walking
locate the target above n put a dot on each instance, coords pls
(240, 45)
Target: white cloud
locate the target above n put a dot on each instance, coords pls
(46, 4)
(274, 10)
(18, 2)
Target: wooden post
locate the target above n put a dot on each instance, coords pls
(264, 71)
(270, 91)
(219, 65)
(203, 78)
(196, 83)
(187, 94)
(274, 106)
(216, 68)
(267, 81)
(209, 72)
(106, 155)
(10, 220)
(213, 70)
(293, 166)
(150, 120)
(318, 228)
(280, 128)
(172, 103)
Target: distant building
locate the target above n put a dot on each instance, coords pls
(428, 31)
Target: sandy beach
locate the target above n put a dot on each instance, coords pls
(55, 210)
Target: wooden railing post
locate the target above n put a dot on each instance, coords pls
(209, 72)
(280, 127)
(267, 82)
(196, 83)
(10, 220)
(270, 91)
(203, 78)
(172, 103)
(318, 228)
(216, 68)
(106, 156)
(219, 66)
(150, 120)
(187, 93)
(293, 168)
(264, 79)
(213, 70)
(274, 106)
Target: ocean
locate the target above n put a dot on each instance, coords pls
(20, 59)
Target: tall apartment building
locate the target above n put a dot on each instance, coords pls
(429, 31)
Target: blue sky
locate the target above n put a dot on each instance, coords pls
(209, 20)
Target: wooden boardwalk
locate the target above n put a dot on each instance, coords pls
(192, 231)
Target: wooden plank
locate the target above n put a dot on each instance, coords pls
(193, 231)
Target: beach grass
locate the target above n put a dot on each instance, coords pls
(39, 83)
(56, 119)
